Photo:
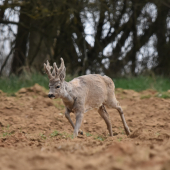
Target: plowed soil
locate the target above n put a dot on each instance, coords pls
(34, 134)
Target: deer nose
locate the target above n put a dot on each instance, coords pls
(51, 95)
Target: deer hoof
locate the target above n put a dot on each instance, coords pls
(80, 132)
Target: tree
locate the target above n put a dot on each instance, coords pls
(53, 29)
(20, 49)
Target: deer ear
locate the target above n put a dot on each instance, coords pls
(62, 74)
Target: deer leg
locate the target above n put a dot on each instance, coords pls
(67, 115)
(79, 118)
(123, 120)
(115, 104)
(103, 113)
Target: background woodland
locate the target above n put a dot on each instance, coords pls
(113, 37)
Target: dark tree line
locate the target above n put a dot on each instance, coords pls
(100, 36)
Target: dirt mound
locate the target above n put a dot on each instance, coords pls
(129, 94)
(2, 93)
(34, 134)
(32, 91)
(149, 92)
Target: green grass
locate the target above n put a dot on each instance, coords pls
(88, 134)
(164, 95)
(145, 97)
(6, 131)
(100, 138)
(63, 135)
(42, 136)
(55, 133)
(13, 83)
(119, 139)
(143, 82)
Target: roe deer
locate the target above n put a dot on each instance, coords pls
(82, 94)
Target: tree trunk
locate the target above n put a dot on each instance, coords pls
(163, 61)
(39, 50)
(134, 30)
(20, 49)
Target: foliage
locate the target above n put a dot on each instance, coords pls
(100, 138)
(88, 134)
(164, 95)
(55, 133)
(63, 135)
(143, 82)
(43, 136)
(119, 139)
(53, 29)
(145, 97)
(13, 83)
(6, 131)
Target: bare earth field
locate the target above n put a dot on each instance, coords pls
(35, 135)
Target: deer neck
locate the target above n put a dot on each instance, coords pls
(67, 98)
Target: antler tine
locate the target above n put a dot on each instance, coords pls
(55, 66)
(48, 68)
(62, 62)
(62, 66)
(55, 69)
(54, 72)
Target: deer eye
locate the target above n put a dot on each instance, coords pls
(57, 87)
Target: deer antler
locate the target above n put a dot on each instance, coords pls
(47, 69)
(62, 64)
(59, 70)
(56, 71)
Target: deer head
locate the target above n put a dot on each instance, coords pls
(56, 79)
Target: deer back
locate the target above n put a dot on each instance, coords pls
(92, 90)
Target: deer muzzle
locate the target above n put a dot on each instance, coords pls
(51, 95)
